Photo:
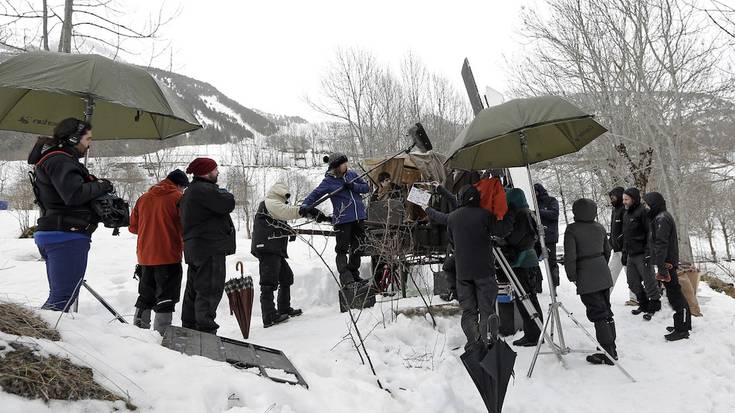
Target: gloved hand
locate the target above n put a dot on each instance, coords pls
(106, 185)
(292, 238)
(304, 210)
(322, 217)
(624, 259)
(664, 277)
(348, 185)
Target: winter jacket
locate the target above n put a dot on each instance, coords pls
(548, 208)
(587, 250)
(270, 226)
(471, 229)
(65, 189)
(155, 218)
(347, 206)
(635, 226)
(492, 196)
(520, 241)
(616, 220)
(205, 217)
(663, 239)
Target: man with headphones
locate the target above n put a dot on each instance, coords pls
(64, 190)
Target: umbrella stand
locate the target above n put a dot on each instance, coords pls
(552, 317)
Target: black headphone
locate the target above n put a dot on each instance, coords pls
(75, 137)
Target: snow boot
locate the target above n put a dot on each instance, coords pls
(653, 307)
(284, 302)
(162, 321)
(273, 320)
(142, 318)
(606, 335)
(676, 335)
(642, 304)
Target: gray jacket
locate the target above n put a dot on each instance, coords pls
(587, 250)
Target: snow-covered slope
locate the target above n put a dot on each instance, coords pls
(419, 365)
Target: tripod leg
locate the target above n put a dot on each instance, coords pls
(594, 340)
(537, 351)
(104, 303)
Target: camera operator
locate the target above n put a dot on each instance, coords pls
(64, 190)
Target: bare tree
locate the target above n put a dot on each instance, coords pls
(650, 72)
(21, 198)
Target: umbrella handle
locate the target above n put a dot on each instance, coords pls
(240, 267)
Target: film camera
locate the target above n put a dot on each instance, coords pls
(113, 211)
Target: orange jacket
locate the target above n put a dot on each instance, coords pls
(492, 196)
(155, 219)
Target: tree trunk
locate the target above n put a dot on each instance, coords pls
(45, 25)
(726, 235)
(710, 236)
(65, 40)
(561, 194)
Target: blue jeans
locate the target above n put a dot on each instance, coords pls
(66, 263)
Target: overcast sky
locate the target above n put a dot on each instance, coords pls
(269, 54)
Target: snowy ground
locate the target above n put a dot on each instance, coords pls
(416, 363)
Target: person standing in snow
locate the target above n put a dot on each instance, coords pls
(271, 234)
(548, 208)
(156, 221)
(586, 254)
(348, 212)
(471, 230)
(209, 236)
(449, 200)
(635, 255)
(616, 237)
(64, 190)
(664, 244)
(519, 248)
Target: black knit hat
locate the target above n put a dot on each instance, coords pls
(178, 177)
(335, 159)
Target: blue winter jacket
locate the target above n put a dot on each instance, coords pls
(347, 205)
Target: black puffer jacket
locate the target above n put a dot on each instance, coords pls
(205, 218)
(587, 250)
(664, 241)
(548, 208)
(635, 226)
(616, 219)
(65, 189)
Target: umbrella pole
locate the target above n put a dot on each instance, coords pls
(88, 110)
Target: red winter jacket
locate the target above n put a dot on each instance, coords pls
(155, 219)
(492, 196)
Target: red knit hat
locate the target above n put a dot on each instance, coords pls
(201, 166)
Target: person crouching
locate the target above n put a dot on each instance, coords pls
(471, 230)
(586, 254)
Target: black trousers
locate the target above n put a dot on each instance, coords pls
(159, 287)
(682, 314)
(275, 274)
(350, 241)
(553, 265)
(205, 283)
(530, 328)
(476, 298)
(597, 305)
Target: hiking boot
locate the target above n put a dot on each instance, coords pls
(670, 329)
(648, 316)
(526, 341)
(677, 335)
(162, 321)
(142, 318)
(277, 319)
(292, 312)
(638, 310)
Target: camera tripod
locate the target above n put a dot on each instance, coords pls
(75, 304)
(553, 320)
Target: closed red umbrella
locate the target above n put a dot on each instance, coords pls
(240, 294)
